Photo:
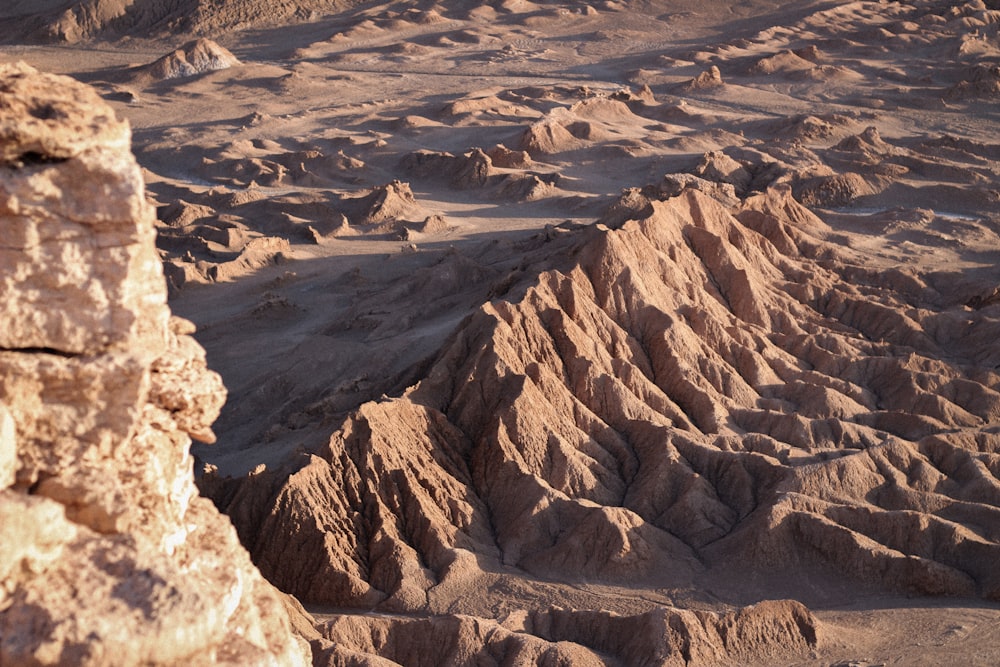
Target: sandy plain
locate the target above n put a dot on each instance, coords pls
(339, 202)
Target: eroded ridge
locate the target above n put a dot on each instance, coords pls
(707, 393)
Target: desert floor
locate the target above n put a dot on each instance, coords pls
(337, 203)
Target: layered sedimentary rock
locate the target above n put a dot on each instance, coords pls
(107, 554)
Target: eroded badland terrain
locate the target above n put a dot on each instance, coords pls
(554, 333)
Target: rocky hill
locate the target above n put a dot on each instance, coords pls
(702, 397)
(107, 553)
(74, 21)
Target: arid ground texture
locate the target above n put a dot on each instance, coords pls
(552, 333)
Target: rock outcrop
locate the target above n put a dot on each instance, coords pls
(196, 57)
(107, 554)
(73, 21)
(701, 398)
(663, 637)
(476, 169)
(710, 78)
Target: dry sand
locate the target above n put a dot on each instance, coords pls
(349, 182)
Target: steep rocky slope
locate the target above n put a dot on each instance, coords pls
(703, 398)
(74, 21)
(107, 554)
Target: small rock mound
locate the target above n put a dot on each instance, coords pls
(868, 145)
(707, 80)
(839, 189)
(784, 62)
(476, 169)
(505, 158)
(196, 57)
(980, 82)
(385, 203)
(721, 168)
(547, 137)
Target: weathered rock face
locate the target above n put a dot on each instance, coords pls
(107, 554)
(773, 630)
(701, 398)
(74, 21)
